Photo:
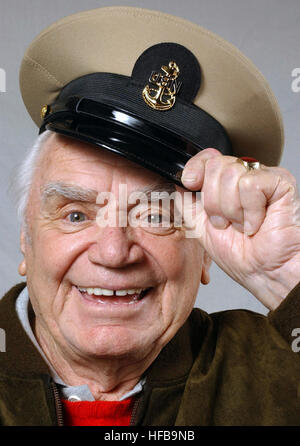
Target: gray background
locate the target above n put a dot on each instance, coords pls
(267, 31)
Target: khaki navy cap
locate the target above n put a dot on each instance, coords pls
(151, 87)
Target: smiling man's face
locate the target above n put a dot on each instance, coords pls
(72, 263)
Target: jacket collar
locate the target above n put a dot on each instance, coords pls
(21, 358)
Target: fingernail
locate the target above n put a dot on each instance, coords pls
(218, 221)
(248, 228)
(189, 176)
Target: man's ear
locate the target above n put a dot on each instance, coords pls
(22, 266)
(22, 242)
(205, 277)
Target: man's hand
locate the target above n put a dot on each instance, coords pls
(250, 223)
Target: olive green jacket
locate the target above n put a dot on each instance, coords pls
(228, 368)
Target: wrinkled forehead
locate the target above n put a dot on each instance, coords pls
(68, 161)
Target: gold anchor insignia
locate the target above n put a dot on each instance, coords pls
(163, 96)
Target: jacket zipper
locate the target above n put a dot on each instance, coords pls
(58, 405)
(134, 411)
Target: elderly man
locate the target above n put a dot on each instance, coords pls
(104, 331)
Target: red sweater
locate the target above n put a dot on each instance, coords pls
(97, 413)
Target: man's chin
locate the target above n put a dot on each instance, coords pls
(110, 342)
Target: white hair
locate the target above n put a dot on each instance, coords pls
(24, 176)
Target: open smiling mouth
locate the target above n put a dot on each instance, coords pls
(108, 296)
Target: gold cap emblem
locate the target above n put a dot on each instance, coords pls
(162, 94)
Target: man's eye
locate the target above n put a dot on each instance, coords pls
(155, 219)
(77, 217)
(159, 220)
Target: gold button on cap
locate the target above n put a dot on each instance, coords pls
(44, 111)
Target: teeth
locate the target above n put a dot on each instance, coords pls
(121, 293)
(106, 292)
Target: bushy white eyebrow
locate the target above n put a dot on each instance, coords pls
(77, 193)
(155, 191)
(69, 191)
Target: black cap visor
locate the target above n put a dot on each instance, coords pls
(147, 152)
(162, 145)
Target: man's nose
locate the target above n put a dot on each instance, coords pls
(115, 248)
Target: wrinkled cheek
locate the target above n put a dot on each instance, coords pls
(53, 254)
(183, 260)
(47, 263)
(172, 259)
(183, 265)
